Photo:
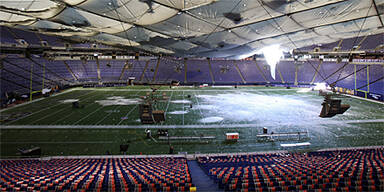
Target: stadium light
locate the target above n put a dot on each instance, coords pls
(272, 54)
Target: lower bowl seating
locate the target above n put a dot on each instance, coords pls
(114, 174)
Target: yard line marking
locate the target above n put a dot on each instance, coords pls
(59, 110)
(118, 107)
(127, 114)
(39, 99)
(42, 110)
(198, 104)
(208, 126)
(58, 120)
(88, 114)
(169, 100)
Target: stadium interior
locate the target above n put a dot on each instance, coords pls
(192, 95)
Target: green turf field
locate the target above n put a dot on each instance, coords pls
(110, 117)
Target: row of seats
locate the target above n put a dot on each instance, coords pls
(349, 170)
(123, 174)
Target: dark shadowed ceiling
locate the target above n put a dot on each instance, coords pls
(198, 28)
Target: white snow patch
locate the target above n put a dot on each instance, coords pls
(180, 101)
(244, 106)
(178, 112)
(110, 102)
(304, 90)
(205, 96)
(69, 100)
(205, 107)
(115, 97)
(211, 119)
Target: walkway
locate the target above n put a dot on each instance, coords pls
(200, 179)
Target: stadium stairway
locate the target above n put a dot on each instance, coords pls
(200, 179)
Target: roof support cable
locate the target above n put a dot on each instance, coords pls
(353, 45)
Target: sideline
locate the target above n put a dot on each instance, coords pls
(209, 126)
(39, 99)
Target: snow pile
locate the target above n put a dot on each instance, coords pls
(118, 101)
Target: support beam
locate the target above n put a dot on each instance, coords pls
(281, 76)
(317, 70)
(339, 45)
(43, 75)
(377, 12)
(239, 72)
(296, 71)
(145, 68)
(123, 71)
(210, 70)
(355, 77)
(83, 63)
(185, 70)
(261, 72)
(156, 70)
(30, 83)
(368, 78)
(98, 70)
(70, 70)
(377, 80)
(52, 72)
(341, 68)
(361, 42)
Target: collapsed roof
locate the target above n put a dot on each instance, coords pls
(198, 28)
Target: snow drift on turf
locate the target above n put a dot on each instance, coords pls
(178, 112)
(117, 100)
(180, 101)
(245, 106)
(69, 100)
(211, 119)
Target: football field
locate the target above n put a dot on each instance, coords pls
(108, 117)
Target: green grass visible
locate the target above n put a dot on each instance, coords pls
(291, 112)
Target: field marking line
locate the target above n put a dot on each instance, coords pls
(130, 111)
(208, 126)
(94, 103)
(42, 110)
(52, 123)
(183, 107)
(170, 90)
(364, 99)
(169, 100)
(64, 108)
(61, 142)
(39, 99)
(198, 104)
(118, 107)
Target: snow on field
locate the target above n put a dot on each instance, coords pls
(69, 100)
(178, 112)
(245, 106)
(117, 100)
(181, 101)
(211, 119)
